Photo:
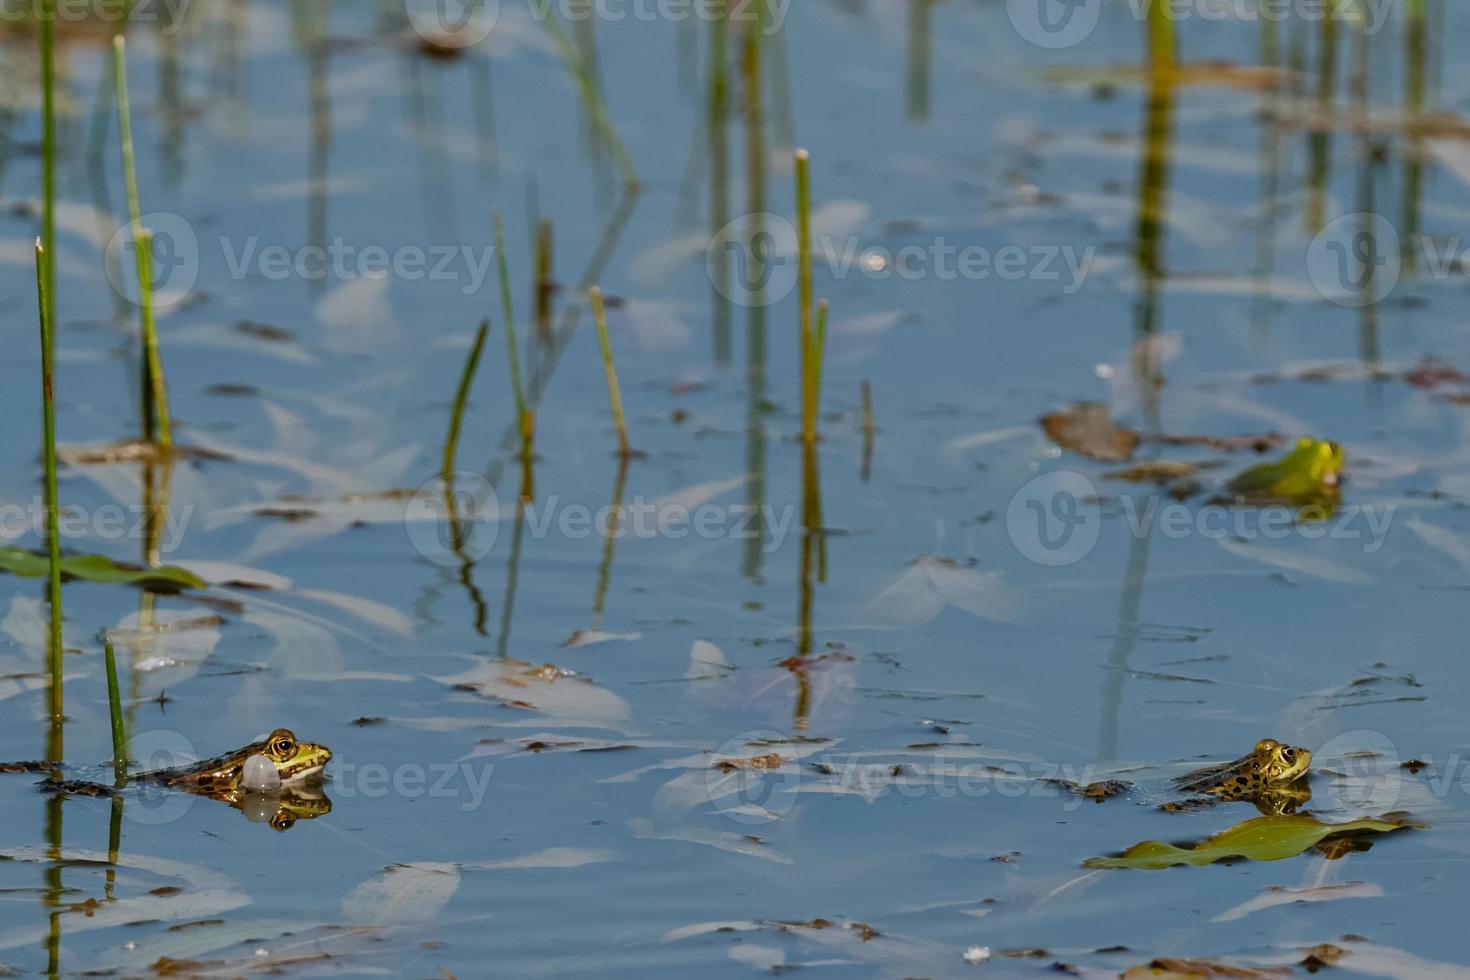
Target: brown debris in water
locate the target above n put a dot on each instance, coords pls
(1087, 428)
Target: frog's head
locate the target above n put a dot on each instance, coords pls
(1321, 459)
(295, 761)
(1279, 763)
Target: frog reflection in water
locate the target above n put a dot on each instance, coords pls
(1307, 476)
(1272, 776)
(298, 766)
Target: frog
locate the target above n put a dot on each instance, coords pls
(299, 765)
(1309, 474)
(1273, 776)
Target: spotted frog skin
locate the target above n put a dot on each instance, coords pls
(1273, 774)
(295, 762)
(298, 763)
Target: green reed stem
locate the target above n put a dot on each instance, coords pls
(462, 397)
(804, 266)
(523, 413)
(818, 359)
(48, 453)
(157, 426)
(1161, 43)
(614, 393)
(48, 141)
(114, 704)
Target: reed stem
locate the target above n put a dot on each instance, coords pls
(461, 399)
(114, 704)
(48, 453)
(804, 266)
(157, 426)
(48, 141)
(614, 393)
(819, 354)
(1161, 43)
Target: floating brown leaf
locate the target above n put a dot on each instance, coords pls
(1088, 428)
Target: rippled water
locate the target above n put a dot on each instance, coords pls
(746, 728)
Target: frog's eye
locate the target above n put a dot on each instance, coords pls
(282, 822)
(283, 746)
(1288, 755)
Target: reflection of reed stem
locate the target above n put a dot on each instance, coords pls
(48, 140)
(614, 525)
(524, 415)
(755, 327)
(868, 430)
(545, 287)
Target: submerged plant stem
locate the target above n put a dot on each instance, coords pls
(614, 393)
(48, 452)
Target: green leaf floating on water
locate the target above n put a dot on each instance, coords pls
(1262, 839)
(98, 568)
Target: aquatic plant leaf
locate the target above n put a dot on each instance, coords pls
(559, 695)
(552, 857)
(1278, 895)
(402, 893)
(1088, 428)
(98, 568)
(931, 584)
(1261, 839)
(1316, 566)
